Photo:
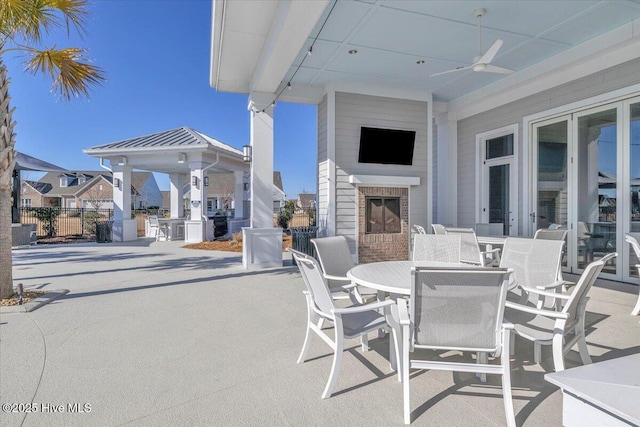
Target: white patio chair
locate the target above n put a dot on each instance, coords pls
(489, 229)
(535, 264)
(350, 322)
(636, 248)
(470, 252)
(560, 329)
(555, 234)
(419, 229)
(439, 228)
(459, 310)
(154, 227)
(335, 259)
(436, 247)
(551, 234)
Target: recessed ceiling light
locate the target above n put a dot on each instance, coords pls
(420, 61)
(352, 52)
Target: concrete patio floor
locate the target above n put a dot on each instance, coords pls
(152, 334)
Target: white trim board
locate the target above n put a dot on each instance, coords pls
(384, 181)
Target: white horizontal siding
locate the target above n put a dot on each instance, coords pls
(354, 111)
(323, 167)
(618, 77)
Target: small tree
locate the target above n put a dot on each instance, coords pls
(48, 218)
(22, 26)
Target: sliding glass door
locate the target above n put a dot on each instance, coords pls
(597, 154)
(631, 132)
(551, 175)
(586, 177)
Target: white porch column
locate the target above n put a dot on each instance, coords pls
(177, 195)
(195, 228)
(239, 194)
(447, 148)
(124, 228)
(262, 243)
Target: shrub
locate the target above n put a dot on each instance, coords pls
(89, 221)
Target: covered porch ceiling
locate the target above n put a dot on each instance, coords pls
(262, 46)
(172, 151)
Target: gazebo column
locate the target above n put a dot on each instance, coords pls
(176, 195)
(239, 194)
(196, 227)
(124, 228)
(262, 242)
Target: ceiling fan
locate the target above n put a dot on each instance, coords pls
(482, 62)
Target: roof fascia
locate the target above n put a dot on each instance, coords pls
(217, 18)
(610, 49)
(293, 23)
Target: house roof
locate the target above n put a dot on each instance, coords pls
(175, 138)
(395, 46)
(171, 151)
(277, 180)
(51, 181)
(40, 187)
(166, 199)
(306, 199)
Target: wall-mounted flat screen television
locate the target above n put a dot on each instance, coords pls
(386, 146)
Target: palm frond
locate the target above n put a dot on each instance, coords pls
(72, 76)
(30, 19)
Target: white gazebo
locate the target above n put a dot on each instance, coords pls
(188, 156)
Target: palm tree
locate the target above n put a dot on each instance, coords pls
(22, 26)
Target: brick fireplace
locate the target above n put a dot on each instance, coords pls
(383, 217)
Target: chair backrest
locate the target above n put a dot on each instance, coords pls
(583, 232)
(314, 281)
(334, 255)
(153, 221)
(457, 308)
(436, 247)
(469, 249)
(535, 262)
(489, 229)
(586, 281)
(554, 226)
(438, 228)
(551, 234)
(419, 229)
(634, 244)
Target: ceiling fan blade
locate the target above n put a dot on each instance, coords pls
(493, 69)
(489, 54)
(451, 71)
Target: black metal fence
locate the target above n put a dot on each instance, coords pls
(59, 222)
(298, 218)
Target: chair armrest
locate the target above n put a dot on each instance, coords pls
(491, 251)
(507, 325)
(533, 310)
(363, 307)
(554, 285)
(549, 294)
(403, 312)
(337, 278)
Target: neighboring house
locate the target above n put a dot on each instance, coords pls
(412, 130)
(279, 197)
(221, 192)
(305, 201)
(87, 189)
(166, 199)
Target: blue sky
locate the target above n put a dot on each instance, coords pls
(156, 57)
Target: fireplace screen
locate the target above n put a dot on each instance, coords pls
(382, 215)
